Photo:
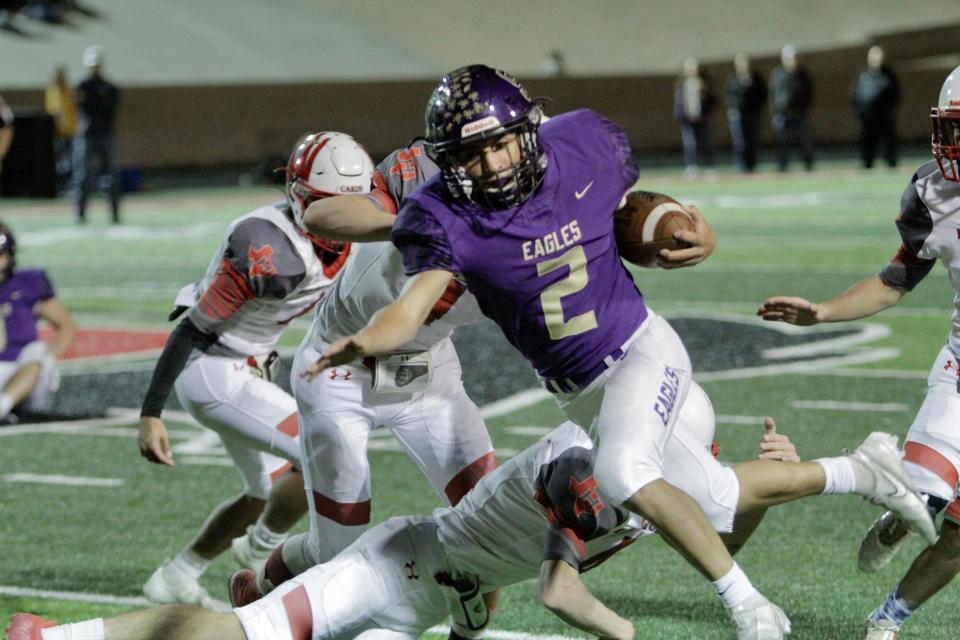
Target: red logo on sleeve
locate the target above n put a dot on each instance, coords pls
(588, 498)
(260, 262)
(406, 166)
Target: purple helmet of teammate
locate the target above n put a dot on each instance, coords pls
(470, 107)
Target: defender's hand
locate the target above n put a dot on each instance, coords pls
(343, 351)
(154, 441)
(791, 310)
(702, 240)
(776, 446)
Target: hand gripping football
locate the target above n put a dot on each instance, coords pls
(646, 224)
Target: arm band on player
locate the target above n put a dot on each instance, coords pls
(172, 361)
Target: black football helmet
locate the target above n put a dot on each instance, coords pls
(470, 107)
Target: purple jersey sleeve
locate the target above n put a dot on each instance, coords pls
(629, 171)
(37, 284)
(906, 269)
(422, 240)
(399, 174)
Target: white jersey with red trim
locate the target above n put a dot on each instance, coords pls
(498, 531)
(929, 226)
(372, 279)
(265, 274)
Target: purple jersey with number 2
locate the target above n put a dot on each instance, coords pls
(18, 295)
(547, 271)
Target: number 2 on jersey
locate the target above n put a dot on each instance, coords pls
(557, 327)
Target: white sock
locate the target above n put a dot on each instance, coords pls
(734, 587)
(88, 630)
(261, 537)
(6, 405)
(842, 475)
(189, 563)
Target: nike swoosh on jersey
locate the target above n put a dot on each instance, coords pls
(579, 194)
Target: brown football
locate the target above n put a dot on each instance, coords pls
(646, 224)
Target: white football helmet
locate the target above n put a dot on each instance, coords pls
(946, 127)
(697, 416)
(322, 165)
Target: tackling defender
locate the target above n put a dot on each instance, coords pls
(268, 271)
(416, 391)
(928, 231)
(538, 514)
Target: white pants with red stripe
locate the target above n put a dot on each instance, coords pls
(933, 442)
(381, 586)
(629, 410)
(256, 419)
(440, 429)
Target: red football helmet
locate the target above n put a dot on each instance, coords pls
(326, 164)
(946, 127)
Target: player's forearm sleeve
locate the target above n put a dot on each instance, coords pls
(172, 361)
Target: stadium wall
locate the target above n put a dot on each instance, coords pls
(209, 126)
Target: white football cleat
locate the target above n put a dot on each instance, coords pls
(757, 618)
(882, 541)
(880, 630)
(891, 487)
(249, 555)
(168, 586)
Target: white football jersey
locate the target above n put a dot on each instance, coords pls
(929, 225)
(499, 532)
(372, 279)
(279, 276)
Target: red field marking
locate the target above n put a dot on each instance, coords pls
(97, 343)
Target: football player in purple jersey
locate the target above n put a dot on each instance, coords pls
(28, 366)
(523, 211)
(928, 233)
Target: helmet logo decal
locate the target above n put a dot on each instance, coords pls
(471, 128)
(509, 78)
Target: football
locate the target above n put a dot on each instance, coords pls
(645, 225)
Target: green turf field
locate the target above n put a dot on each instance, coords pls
(803, 234)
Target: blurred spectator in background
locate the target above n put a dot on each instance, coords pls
(554, 66)
(58, 102)
(93, 150)
(693, 101)
(6, 129)
(746, 98)
(791, 94)
(28, 366)
(875, 94)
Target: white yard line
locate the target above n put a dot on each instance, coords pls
(516, 402)
(833, 405)
(69, 481)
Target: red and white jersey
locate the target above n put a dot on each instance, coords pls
(502, 529)
(265, 274)
(374, 276)
(929, 226)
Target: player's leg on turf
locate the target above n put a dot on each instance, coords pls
(337, 414)
(383, 581)
(258, 425)
(183, 622)
(443, 432)
(635, 405)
